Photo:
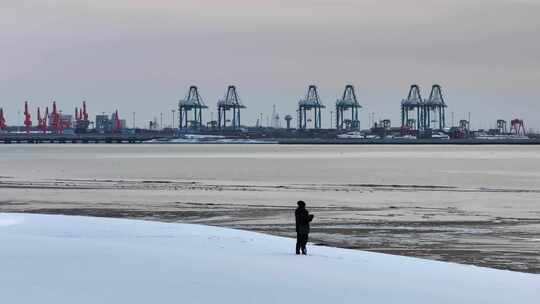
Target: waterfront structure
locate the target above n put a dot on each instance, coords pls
(517, 127)
(42, 120)
(231, 102)
(501, 126)
(81, 119)
(435, 105)
(112, 124)
(288, 119)
(347, 102)
(465, 125)
(418, 114)
(27, 118)
(3, 125)
(311, 102)
(193, 103)
(412, 110)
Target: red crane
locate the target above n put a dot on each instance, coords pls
(517, 127)
(27, 118)
(46, 118)
(81, 119)
(117, 126)
(2, 120)
(84, 113)
(42, 121)
(56, 120)
(80, 114)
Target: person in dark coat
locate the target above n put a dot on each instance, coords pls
(302, 227)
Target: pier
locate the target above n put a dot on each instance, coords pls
(38, 138)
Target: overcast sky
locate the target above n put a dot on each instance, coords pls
(141, 56)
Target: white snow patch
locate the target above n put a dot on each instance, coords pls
(61, 259)
(9, 221)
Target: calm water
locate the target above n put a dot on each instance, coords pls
(462, 166)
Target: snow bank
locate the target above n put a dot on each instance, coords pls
(61, 259)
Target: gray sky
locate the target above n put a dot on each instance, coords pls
(141, 55)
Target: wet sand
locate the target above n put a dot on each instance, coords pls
(492, 227)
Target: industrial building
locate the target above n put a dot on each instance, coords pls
(420, 119)
(109, 124)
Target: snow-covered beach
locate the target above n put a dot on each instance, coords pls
(64, 259)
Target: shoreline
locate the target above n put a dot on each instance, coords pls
(167, 139)
(462, 257)
(95, 260)
(469, 205)
(453, 234)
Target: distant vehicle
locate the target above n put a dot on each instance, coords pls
(501, 137)
(201, 136)
(412, 137)
(440, 135)
(351, 135)
(372, 137)
(357, 135)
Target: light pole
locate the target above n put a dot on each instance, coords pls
(161, 120)
(172, 118)
(133, 120)
(331, 119)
